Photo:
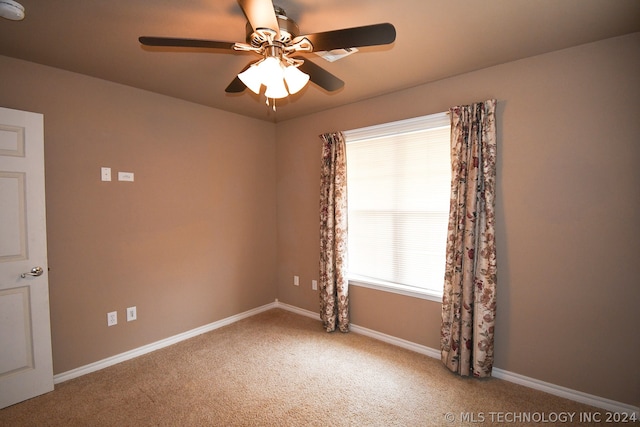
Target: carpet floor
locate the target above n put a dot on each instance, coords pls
(281, 369)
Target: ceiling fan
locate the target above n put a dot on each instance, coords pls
(276, 38)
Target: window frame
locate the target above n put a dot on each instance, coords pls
(431, 121)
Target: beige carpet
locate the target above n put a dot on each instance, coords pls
(281, 369)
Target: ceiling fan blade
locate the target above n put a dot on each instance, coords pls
(260, 14)
(369, 35)
(236, 86)
(175, 42)
(320, 76)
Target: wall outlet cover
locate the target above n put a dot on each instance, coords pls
(112, 318)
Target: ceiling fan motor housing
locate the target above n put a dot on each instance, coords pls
(287, 26)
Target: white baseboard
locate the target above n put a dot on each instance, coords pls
(297, 310)
(399, 342)
(567, 393)
(104, 363)
(578, 396)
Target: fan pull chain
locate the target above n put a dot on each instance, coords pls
(273, 103)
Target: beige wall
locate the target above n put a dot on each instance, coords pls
(189, 242)
(197, 237)
(567, 212)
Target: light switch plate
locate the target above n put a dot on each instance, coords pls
(125, 176)
(105, 174)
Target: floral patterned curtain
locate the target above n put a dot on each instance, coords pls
(334, 286)
(469, 297)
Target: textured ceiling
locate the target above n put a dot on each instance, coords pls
(435, 39)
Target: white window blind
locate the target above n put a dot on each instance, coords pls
(398, 182)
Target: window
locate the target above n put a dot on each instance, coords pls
(398, 184)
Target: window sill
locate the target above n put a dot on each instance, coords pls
(394, 288)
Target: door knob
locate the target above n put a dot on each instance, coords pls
(35, 271)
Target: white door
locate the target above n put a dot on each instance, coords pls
(26, 368)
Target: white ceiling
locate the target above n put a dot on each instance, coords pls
(435, 39)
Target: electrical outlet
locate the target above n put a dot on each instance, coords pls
(131, 314)
(296, 281)
(314, 285)
(112, 318)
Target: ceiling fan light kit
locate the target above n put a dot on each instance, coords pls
(273, 73)
(275, 37)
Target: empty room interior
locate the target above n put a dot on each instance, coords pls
(212, 207)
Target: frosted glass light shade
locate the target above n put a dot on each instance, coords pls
(271, 70)
(252, 78)
(295, 79)
(276, 89)
(271, 73)
(273, 78)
